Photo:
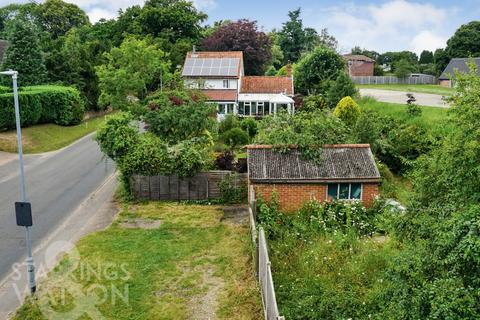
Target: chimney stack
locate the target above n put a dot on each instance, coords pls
(289, 69)
(194, 52)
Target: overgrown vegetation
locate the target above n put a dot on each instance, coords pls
(419, 264)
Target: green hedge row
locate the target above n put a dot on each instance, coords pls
(42, 104)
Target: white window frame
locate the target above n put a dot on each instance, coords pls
(349, 191)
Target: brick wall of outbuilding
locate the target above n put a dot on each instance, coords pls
(362, 68)
(293, 196)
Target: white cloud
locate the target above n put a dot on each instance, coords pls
(392, 25)
(426, 40)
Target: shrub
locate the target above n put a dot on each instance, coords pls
(177, 123)
(339, 88)
(116, 136)
(242, 165)
(347, 110)
(42, 104)
(148, 156)
(188, 157)
(228, 123)
(314, 102)
(250, 126)
(414, 110)
(232, 190)
(225, 160)
(235, 137)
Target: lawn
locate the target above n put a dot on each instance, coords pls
(48, 137)
(192, 266)
(431, 116)
(423, 88)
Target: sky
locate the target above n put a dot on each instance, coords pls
(389, 25)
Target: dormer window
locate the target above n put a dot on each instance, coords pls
(226, 84)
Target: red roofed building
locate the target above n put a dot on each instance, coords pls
(220, 76)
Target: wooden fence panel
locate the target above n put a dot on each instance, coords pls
(202, 186)
(419, 79)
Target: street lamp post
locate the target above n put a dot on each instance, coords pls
(20, 207)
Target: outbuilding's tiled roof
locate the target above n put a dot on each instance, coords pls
(357, 57)
(459, 65)
(221, 95)
(267, 84)
(343, 162)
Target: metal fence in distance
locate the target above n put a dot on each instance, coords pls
(413, 79)
(263, 269)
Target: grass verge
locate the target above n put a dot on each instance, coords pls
(193, 266)
(48, 137)
(422, 88)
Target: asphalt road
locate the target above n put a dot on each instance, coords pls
(58, 186)
(423, 99)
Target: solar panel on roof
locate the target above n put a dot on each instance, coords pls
(211, 67)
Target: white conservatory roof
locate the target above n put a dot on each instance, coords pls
(270, 97)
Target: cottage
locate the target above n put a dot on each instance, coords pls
(346, 172)
(456, 65)
(359, 65)
(220, 76)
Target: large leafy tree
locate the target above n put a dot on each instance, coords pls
(465, 42)
(426, 57)
(292, 37)
(242, 35)
(133, 69)
(314, 71)
(441, 60)
(24, 54)
(57, 17)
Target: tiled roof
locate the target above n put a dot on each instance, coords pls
(266, 84)
(217, 54)
(339, 163)
(460, 65)
(357, 57)
(221, 95)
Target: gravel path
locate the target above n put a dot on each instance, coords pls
(423, 99)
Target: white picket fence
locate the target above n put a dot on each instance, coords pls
(263, 269)
(413, 79)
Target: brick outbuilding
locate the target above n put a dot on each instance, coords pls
(359, 65)
(347, 171)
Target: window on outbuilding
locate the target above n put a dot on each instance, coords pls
(226, 84)
(344, 191)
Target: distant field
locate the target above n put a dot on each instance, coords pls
(48, 137)
(430, 115)
(423, 88)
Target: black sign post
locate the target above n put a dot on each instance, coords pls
(23, 211)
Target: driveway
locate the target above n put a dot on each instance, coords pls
(71, 192)
(423, 99)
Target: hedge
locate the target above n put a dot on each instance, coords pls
(42, 104)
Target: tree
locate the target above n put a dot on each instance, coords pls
(242, 35)
(314, 71)
(133, 69)
(14, 11)
(327, 40)
(392, 58)
(441, 60)
(306, 130)
(58, 17)
(426, 57)
(24, 54)
(339, 88)
(368, 53)
(168, 19)
(465, 42)
(292, 37)
(403, 68)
